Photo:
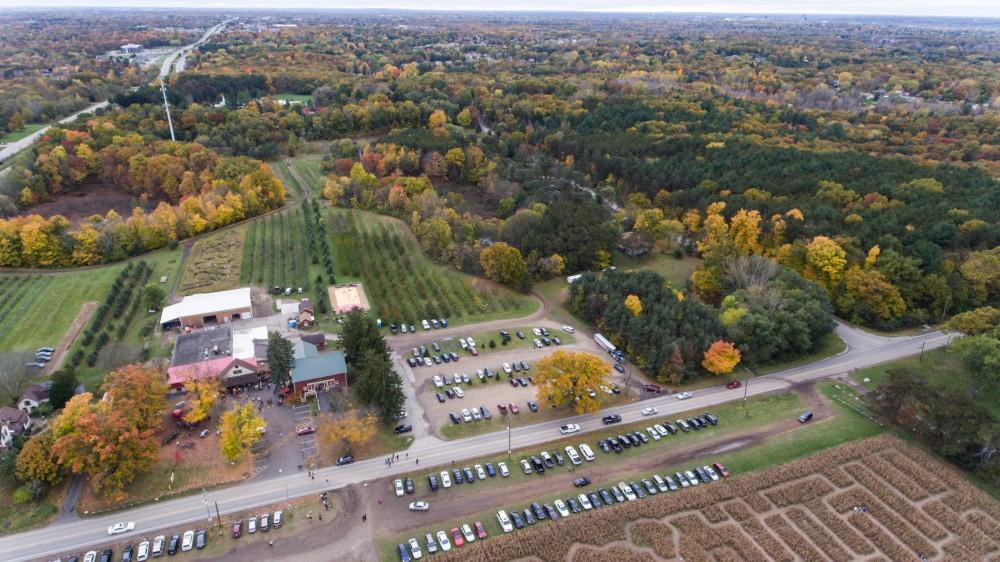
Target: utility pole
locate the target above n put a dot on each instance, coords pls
(508, 436)
(170, 122)
(746, 390)
(922, 344)
(218, 516)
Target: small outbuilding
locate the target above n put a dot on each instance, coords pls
(305, 315)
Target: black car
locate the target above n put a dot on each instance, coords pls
(536, 508)
(650, 487)
(619, 496)
(454, 418)
(469, 475)
(538, 465)
(433, 482)
(454, 356)
(637, 489)
(403, 428)
(606, 496)
(625, 440)
(520, 335)
(491, 471)
(573, 506)
(449, 393)
(618, 367)
(446, 357)
(642, 437)
(670, 428)
(516, 367)
(532, 405)
(603, 444)
(614, 418)
(528, 517)
(711, 418)
(175, 543)
(127, 554)
(412, 361)
(551, 511)
(515, 518)
(199, 539)
(437, 348)
(615, 444)
(581, 482)
(441, 397)
(408, 484)
(702, 475)
(559, 458)
(392, 328)
(595, 500)
(107, 555)
(340, 462)
(456, 475)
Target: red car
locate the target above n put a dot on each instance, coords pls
(480, 530)
(502, 408)
(733, 384)
(456, 537)
(655, 389)
(237, 528)
(513, 382)
(721, 470)
(305, 429)
(513, 408)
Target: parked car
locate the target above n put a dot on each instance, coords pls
(585, 502)
(721, 470)
(237, 528)
(442, 538)
(187, 543)
(432, 546)
(574, 457)
(581, 482)
(420, 506)
(252, 525)
(504, 471)
(456, 536)
(806, 416)
(200, 539)
(158, 544)
(505, 522)
(513, 408)
(652, 388)
(174, 545)
(445, 479)
(587, 452)
(480, 471)
(403, 428)
(467, 533)
(348, 459)
(532, 405)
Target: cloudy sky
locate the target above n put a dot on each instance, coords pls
(956, 8)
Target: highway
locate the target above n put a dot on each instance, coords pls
(77, 536)
(19, 145)
(180, 55)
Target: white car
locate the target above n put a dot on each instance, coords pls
(461, 342)
(477, 414)
(648, 411)
(90, 556)
(398, 484)
(661, 484)
(691, 477)
(569, 428)
(158, 543)
(661, 430)
(504, 521)
(427, 326)
(574, 457)
(438, 381)
(480, 472)
(142, 554)
(683, 395)
(427, 362)
(470, 341)
(419, 506)
(415, 547)
(587, 452)
(445, 479)
(123, 527)
(568, 329)
(466, 415)
(537, 332)
(187, 543)
(627, 490)
(504, 471)
(467, 533)
(561, 508)
(443, 541)
(507, 369)
(711, 473)
(606, 390)
(653, 433)
(458, 392)
(585, 502)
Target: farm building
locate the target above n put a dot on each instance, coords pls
(35, 396)
(207, 309)
(345, 298)
(229, 371)
(313, 371)
(202, 345)
(13, 422)
(305, 315)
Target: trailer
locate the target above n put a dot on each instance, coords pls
(573, 278)
(604, 344)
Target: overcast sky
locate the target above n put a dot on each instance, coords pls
(959, 8)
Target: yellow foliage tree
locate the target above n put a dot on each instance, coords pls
(437, 119)
(203, 395)
(241, 428)
(825, 261)
(721, 358)
(634, 305)
(351, 428)
(744, 230)
(566, 377)
(872, 258)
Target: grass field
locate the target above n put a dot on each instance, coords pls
(215, 263)
(303, 98)
(830, 345)
(306, 167)
(37, 309)
(675, 271)
(847, 426)
(15, 136)
(404, 285)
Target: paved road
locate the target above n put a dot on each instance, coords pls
(180, 55)
(76, 536)
(17, 146)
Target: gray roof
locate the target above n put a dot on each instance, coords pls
(319, 366)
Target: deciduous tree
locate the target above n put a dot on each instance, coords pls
(349, 428)
(633, 304)
(504, 264)
(567, 377)
(241, 428)
(202, 395)
(721, 358)
(37, 462)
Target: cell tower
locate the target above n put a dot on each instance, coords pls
(170, 122)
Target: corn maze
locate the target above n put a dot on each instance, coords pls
(401, 283)
(878, 499)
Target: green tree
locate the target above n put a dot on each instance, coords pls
(377, 384)
(279, 358)
(153, 296)
(358, 334)
(64, 383)
(504, 264)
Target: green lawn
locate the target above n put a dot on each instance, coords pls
(847, 426)
(830, 345)
(304, 98)
(28, 129)
(675, 271)
(941, 369)
(16, 518)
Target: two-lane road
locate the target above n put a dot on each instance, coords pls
(79, 535)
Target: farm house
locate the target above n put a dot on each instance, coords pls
(313, 371)
(207, 309)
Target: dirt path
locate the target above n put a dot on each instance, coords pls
(393, 517)
(86, 311)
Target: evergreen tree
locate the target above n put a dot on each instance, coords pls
(279, 358)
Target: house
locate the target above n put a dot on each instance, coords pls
(13, 422)
(305, 314)
(208, 309)
(229, 371)
(35, 396)
(313, 371)
(633, 244)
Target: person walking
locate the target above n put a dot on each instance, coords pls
(364, 517)
(418, 461)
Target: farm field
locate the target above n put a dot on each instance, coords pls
(215, 262)
(56, 297)
(402, 284)
(877, 497)
(305, 166)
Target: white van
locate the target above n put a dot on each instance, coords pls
(586, 451)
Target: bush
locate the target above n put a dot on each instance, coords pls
(21, 496)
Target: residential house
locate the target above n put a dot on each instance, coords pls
(13, 422)
(35, 396)
(306, 318)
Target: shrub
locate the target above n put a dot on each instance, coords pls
(21, 496)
